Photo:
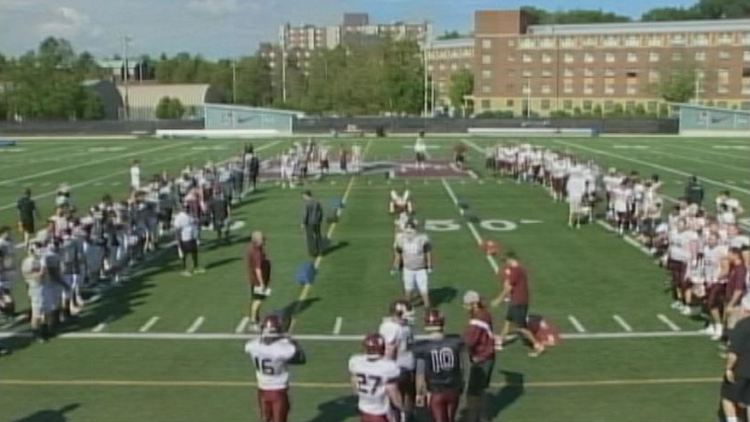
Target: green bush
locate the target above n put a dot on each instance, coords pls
(169, 108)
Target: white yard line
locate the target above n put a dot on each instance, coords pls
(576, 324)
(242, 326)
(330, 337)
(101, 326)
(195, 325)
(621, 321)
(149, 324)
(668, 322)
(490, 259)
(93, 163)
(337, 325)
(629, 240)
(652, 165)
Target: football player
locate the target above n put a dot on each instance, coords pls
(480, 346)
(356, 158)
(413, 252)
(7, 273)
(439, 362)
(715, 270)
(420, 151)
(33, 275)
(374, 380)
(259, 275)
(400, 202)
(271, 353)
(397, 332)
(72, 262)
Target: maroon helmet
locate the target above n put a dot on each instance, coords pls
(434, 320)
(374, 345)
(271, 327)
(401, 309)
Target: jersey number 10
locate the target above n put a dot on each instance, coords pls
(442, 360)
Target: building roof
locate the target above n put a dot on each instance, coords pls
(149, 95)
(257, 109)
(452, 43)
(710, 108)
(728, 25)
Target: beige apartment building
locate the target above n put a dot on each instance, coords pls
(443, 59)
(542, 68)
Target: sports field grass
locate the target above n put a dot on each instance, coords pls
(165, 348)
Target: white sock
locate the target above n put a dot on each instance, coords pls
(732, 419)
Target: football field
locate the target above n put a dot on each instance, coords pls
(166, 348)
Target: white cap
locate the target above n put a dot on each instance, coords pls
(471, 297)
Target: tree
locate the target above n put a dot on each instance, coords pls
(92, 107)
(462, 84)
(678, 86)
(169, 108)
(540, 16)
(668, 14)
(450, 35)
(703, 9)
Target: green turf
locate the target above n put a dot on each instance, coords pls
(588, 273)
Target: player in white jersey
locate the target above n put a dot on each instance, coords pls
(397, 332)
(400, 202)
(575, 188)
(271, 353)
(681, 251)
(356, 157)
(374, 379)
(413, 255)
(286, 168)
(7, 272)
(715, 269)
(732, 204)
(420, 151)
(622, 196)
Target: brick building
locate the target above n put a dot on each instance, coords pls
(591, 67)
(444, 58)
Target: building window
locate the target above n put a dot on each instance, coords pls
(632, 41)
(588, 72)
(611, 41)
(509, 103)
(486, 89)
(486, 59)
(630, 105)
(677, 56)
(588, 58)
(653, 57)
(609, 57)
(654, 41)
(568, 72)
(722, 89)
(632, 57)
(722, 76)
(547, 43)
(568, 86)
(746, 86)
(632, 90)
(588, 86)
(746, 55)
(526, 73)
(653, 76)
(568, 58)
(527, 43)
(567, 104)
(588, 105)
(546, 58)
(590, 42)
(546, 89)
(430, 68)
(454, 66)
(546, 104)
(677, 39)
(486, 74)
(486, 43)
(568, 42)
(485, 104)
(609, 72)
(725, 38)
(467, 66)
(724, 55)
(546, 73)
(700, 56)
(526, 89)
(700, 40)
(526, 58)
(609, 105)
(746, 38)
(442, 66)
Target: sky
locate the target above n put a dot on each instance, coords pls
(230, 28)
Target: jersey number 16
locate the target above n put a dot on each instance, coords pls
(264, 366)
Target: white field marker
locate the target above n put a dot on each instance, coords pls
(101, 326)
(625, 326)
(668, 322)
(337, 325)
(242, 326)
(576, 324)
(150, 323)
(196, 325)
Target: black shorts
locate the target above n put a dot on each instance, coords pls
(189, 246)
(736, 392)
(460, 158)
(420, 157)
(27, 226)
(480, 375)
(517, 315)
(406, 383)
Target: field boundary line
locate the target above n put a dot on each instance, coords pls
(652, 165)
(340, 385)
(90, 335)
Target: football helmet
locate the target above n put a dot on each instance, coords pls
(374, 345)
(271, 327)
(434, 320)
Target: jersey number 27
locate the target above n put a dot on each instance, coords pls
(368, 384)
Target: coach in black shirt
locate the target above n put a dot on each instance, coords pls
(735, 390)
(312, 219)
(27, 212)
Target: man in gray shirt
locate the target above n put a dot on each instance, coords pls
(312, 219)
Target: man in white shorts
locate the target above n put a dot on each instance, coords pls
(413, 255)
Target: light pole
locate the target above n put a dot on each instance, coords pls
(125, 42)
(528, 98)
(234, 82)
